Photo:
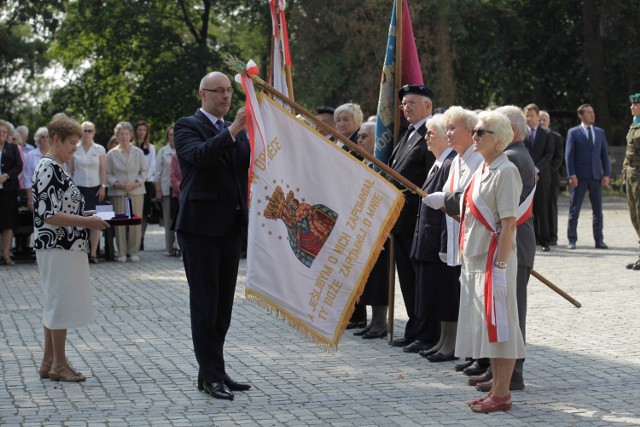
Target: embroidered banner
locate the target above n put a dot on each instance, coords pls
(318, 219)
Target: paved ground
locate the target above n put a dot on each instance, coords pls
(583, 365)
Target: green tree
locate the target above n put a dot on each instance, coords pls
(26, 28)
(143, 59)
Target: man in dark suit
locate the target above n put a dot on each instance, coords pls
(518, 154)
(556, 169)
(589, 170)
(214, 158)
(411, 159)
(541, 147)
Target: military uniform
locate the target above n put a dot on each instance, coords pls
(631, 175)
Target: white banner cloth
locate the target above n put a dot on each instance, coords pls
(318, 219)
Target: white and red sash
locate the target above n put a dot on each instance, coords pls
(495, 310)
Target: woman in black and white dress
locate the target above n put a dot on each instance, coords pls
(61, 242)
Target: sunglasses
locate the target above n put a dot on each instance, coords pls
(481, 132)
(89, 131)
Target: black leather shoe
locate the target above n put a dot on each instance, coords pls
(218, 390)
(571, 246)
(418, 345)
(439, 357)
(401, 342)
(235, 386)
(363, 331)
(354, 325)
(634, 265)
(545, 248)
(475, 369)
(372, 335)
(601, 245)
(428, 352)
(461, 366)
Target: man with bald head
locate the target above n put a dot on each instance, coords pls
(213, 154)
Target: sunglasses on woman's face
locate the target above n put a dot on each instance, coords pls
(481, 132)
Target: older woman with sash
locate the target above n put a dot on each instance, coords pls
(488, 318)
(437, 286)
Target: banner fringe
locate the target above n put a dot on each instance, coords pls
(298, 325)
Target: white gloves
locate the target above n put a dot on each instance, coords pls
(443, 256)
(499, 283)
(434, 200)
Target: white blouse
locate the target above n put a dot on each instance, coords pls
(86, 165)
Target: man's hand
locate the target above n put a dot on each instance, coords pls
(239, 123)
(605, 181)
(573, 181)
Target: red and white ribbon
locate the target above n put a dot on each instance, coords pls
(495, 310)
(255, 123)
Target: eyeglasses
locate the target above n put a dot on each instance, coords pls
(363, 135)
(407, 104)
(89, 131)
(481, 132)
(220, 90)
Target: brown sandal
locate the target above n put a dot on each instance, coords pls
(66, 373)
(8, 261)
(44, 373)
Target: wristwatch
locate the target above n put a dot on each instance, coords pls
(500, 264)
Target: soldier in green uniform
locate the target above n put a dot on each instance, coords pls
(631, 170)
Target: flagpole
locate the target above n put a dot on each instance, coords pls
(396, 134)
(328, 129)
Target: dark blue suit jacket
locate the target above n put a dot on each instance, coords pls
(583, 160)
(214, 177)
(430, 235)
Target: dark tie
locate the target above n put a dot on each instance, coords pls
(434, 170)
(532, 136)
(590, 136)
(220, 125)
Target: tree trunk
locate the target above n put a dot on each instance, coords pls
(594, 58)
(445, 56)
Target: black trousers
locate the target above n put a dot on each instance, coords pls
(407, 276)
(211, 266)
(541, 206)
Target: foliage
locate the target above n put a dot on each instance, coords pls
(143, 59)
(26, 27)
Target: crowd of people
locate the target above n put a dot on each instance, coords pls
(463, 253)
(129, 167)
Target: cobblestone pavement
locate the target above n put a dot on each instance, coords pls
(583, 365)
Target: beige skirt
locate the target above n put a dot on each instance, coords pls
(66, 288)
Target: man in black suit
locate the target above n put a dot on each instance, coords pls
(411, 159)
(541, 147)
(214, 158)
(556, 170)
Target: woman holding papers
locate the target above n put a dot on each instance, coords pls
(61, 241)
(488, 317)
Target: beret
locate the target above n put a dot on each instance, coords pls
(416, 90)
(634, 98)
(325, 109)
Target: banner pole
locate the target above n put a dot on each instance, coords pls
(392, 293)
(559, 291)
(354, 147)
(396, 134)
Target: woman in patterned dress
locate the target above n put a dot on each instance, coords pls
(61, 243)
